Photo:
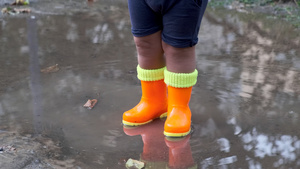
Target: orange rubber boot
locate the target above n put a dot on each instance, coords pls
(153, 103)
(178, 122)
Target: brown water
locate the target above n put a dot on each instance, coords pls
(246, 104)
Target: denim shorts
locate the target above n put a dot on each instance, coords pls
(179, 20)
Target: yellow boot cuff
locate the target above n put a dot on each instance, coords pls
(150, 74)
(181, 80)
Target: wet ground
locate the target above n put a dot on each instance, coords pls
(246, 104)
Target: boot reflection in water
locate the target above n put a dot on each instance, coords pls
(155, 151)
(180, 154)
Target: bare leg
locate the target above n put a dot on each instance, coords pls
(179, 60)
(150, 52)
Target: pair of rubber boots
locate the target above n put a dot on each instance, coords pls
(164, 93)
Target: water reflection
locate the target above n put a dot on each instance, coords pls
(161, 152)
(245, 105)
(285, 147)
(51, 104)
(257, 88)
(34, 69)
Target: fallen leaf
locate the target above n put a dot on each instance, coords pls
(51, 69)
(90, 103)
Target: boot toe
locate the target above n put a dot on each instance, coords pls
(171, 128)
(177, 125)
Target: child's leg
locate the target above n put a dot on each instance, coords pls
(181, 24)
(153, 103)
(150, 52)
(146, 28)
(180, 76)
(180, 60)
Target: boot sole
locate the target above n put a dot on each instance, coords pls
(169, 134)
(127, 123)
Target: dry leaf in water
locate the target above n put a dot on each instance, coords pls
(51, 69)
(90, 103)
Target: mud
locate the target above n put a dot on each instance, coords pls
(245, 104)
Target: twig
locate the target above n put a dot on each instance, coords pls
(296, 3)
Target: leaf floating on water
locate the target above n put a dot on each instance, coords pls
(51, 69)
(90, 103)
(134, 164)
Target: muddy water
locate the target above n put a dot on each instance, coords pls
(245, 105)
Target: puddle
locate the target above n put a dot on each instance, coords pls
(245, 105)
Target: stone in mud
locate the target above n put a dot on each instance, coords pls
(134, 164)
